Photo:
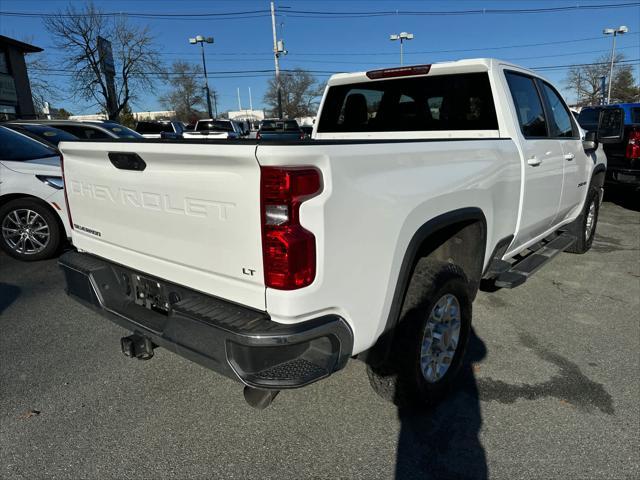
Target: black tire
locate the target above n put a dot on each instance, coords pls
(46, 217)
(400, 379)
(578, 228)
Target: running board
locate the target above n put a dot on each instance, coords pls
(521, 271)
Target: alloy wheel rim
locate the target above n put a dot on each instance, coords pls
(441, 338)
(591, 219)
(25, 231)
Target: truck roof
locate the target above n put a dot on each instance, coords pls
(456, 66)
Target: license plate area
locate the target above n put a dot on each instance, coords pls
(150, 294)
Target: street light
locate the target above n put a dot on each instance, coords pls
(402, 37)
(202, 40)
(621, 30)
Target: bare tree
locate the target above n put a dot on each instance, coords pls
(301, 94)
(185, 92)
(137, 62)
(42, 89)
(586, 81)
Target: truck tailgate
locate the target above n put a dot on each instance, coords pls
(190, 213)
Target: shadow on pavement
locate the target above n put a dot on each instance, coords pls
(443, 443)
(624, 197)
(8, 294)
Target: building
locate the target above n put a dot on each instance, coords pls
(158, 115)
(246, 115)
(15, 92)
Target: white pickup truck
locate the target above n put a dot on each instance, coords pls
(274, 263)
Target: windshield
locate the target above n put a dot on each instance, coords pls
(17, 147)
(279, 126)
(121, 131)
(215, 125)
(50, 134)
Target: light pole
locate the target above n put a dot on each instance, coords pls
(613, 31)
(202, 40)
(402, 37)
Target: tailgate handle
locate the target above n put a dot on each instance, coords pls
(127, 161)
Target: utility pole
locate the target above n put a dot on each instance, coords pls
(278, 49)
(578, 89)
(239, 104)
(250, 100)
(215, 103)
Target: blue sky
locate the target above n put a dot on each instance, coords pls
(351, 44)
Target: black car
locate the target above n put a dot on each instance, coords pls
(274, 129)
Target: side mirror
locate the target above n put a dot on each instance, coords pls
(590, 142)
(611, 125)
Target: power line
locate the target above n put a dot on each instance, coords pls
(458, 50)
(328, 14)
(269, 72)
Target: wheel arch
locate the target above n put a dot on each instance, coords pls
(459, 237)
(598, 175)
(4, 199)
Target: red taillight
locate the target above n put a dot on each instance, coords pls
(66, 198)
(399, 72)
(633, 146)
(258, 136)
(288, 249)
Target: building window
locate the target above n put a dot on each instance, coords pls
(4, 63)
(7, 112)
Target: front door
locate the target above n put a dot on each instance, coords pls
(575, 165)
(543, 160)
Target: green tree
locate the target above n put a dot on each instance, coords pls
(301, 94)
(126, 117)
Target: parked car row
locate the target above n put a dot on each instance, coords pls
(216, 129)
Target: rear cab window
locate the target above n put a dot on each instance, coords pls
(429, 103)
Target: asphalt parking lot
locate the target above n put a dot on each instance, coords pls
(551, 390)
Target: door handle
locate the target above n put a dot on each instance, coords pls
(569, 156)
(534, 161)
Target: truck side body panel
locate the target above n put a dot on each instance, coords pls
(375, 198)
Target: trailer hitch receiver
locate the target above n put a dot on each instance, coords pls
(137, 346)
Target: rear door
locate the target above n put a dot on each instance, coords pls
(543, 159)
(575, 166)
(187, 213)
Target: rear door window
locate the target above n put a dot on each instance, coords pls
(635, 115)
(441, 102)
(528, 105)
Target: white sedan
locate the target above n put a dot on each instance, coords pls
(33, 214)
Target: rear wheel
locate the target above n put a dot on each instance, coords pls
(584, 227)
(29, 230)
(431, 337)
